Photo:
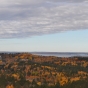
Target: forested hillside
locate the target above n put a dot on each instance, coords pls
(24, 70)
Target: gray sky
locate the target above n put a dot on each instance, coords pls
(26, 18)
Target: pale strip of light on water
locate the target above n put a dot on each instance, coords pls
(60, 54)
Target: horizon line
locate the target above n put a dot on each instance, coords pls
(40, 52)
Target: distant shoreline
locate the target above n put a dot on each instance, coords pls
(57, 54)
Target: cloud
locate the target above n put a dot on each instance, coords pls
(20, 19)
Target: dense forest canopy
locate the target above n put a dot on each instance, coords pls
(25, 70)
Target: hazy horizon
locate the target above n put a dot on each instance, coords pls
(38, 52)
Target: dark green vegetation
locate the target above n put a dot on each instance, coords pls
(24, 70)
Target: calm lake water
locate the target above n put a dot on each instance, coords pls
(60, 54)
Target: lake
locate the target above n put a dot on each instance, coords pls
(61, 54)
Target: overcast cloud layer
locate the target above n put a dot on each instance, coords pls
(26, 18)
